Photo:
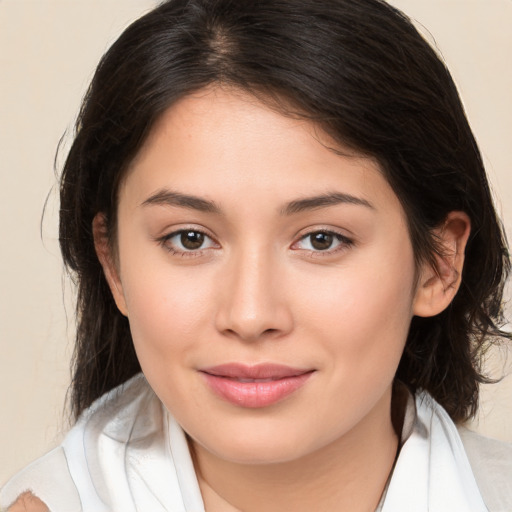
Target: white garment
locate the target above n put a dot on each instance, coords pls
(126, 453)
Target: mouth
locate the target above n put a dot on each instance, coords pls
(255, 386)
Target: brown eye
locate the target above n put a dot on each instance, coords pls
(187, 242)
(321, 241)
(192, 240)
(328, 242)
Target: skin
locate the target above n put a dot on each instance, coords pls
(259, 291)
(27, 502)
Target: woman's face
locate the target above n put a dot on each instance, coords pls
(268, 281)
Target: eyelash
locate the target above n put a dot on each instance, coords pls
(344, 242)
(165, 243)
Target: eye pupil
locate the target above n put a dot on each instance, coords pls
(192, 239)
(321, 241)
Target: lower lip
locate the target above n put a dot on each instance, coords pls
(255, 394)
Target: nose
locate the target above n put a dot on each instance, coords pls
(252, 301)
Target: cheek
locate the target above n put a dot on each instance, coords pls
(363, 294)
(364, 315)
(166, 309)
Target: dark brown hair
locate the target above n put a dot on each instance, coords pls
(361, 71)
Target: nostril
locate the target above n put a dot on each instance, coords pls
(245, 312)
(247, 335)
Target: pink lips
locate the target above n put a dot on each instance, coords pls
(254, 386)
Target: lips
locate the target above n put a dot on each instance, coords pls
(256, 386)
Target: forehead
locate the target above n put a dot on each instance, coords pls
(225, 143)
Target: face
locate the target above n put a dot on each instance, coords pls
(269, 281)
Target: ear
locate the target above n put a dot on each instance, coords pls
(108, 261)
(437, 286)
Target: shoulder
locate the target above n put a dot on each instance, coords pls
(491, 462)
(61, 478)
(47, 479)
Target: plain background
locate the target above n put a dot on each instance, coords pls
(48, 51)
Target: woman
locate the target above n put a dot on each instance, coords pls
(276, 211)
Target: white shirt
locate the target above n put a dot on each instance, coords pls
(127, 453)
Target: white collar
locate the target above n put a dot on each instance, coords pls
(432, 472)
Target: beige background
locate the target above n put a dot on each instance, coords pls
(48, 50)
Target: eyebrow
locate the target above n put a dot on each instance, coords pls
(322, 201)
(168, 198)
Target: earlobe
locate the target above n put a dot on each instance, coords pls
(437, 286)
(110, 268)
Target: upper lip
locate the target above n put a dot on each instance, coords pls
(257, 371)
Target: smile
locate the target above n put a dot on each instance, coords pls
(254, 386)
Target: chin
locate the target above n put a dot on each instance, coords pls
(261, 444)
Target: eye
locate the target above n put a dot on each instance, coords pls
(187, 241)
(322, 241)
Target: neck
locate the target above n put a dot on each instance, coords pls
(348, 474)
